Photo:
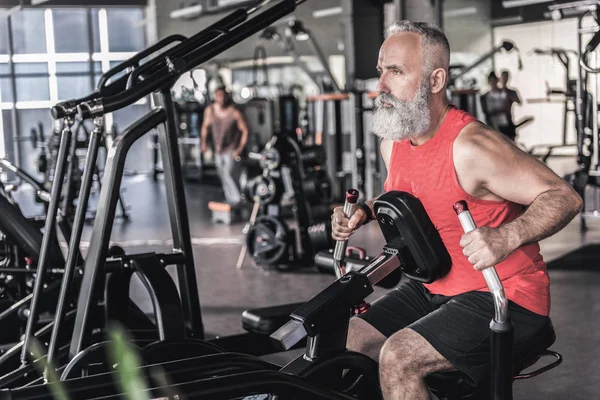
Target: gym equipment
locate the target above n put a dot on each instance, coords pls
(158, 75)
(355, 259)
(317, 373)
(290, 177)
(342, 139)
(324, 319)
(586, 179)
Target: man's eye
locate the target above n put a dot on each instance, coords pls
(396, 71)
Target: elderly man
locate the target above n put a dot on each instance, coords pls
(441, 155)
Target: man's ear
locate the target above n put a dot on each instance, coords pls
(437, 80)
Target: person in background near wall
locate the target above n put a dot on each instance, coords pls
(495, 107)
(512, 96)
(230, 133)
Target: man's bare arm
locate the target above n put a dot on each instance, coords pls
(241, 124)
(206, 121)
(487, 162)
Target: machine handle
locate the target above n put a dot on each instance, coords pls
(491, 276)
(340, 246)
(362, 253)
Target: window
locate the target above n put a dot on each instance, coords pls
(31, 119)
(5, 85)
(32, 81)
(71, 33)
(73, 79)
(3, 35)
(125, 32)
(59, 54)
(29, 31)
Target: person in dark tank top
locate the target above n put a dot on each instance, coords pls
(230, 133)
(442, 155)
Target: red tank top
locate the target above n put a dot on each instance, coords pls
(427, 172)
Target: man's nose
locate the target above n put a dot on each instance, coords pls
(382, 86)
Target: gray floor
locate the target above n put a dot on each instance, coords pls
(225, 291)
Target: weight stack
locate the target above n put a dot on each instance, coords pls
(320, 236)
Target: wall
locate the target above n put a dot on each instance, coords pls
(539, 71)
(468, 28)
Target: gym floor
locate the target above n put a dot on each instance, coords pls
(226, 292)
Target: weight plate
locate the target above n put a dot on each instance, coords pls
(264, 189)
(267, 240)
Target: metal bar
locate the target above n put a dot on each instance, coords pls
(319, 53)
(90, 23)
(588, 29)
(73, 252)
(71, 165)
(178, 216)
(163, 295)
(49, 231)
(16, 126)
(22, 174)
(105, 214)
(167, 74)
(579, 105)
(595, 115)
(353, 129)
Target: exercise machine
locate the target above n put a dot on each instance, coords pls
(177, 316)
(586, 179)
(326, 369)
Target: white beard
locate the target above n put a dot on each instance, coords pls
(405, 119)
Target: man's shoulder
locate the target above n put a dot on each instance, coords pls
(474, 136)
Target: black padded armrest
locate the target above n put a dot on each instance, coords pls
(265, 321)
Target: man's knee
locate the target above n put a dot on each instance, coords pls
(408, 353)
(364, 338)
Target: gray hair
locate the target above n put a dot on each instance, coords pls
(431, 37)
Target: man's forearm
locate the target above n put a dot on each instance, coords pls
(548, 213)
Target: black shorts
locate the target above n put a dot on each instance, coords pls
(456, 326)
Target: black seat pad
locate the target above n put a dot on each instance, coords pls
(456, 384)
(265, 321)
(26, 235)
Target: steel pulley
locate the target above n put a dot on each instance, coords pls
(268, 241)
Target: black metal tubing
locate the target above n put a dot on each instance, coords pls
(49, 230)
(109, 195)
(178, 216)
(41, 193)
(60, 109)
(200, 38)
(114, 265)
(134, 61)
(69, 195)
(176, 371)
(74, 241)
(167, 74)
(245, 384)
(163, 295)
(12, 355)
(501, 342)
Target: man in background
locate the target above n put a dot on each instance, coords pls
(230, 133)
(496, 106)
